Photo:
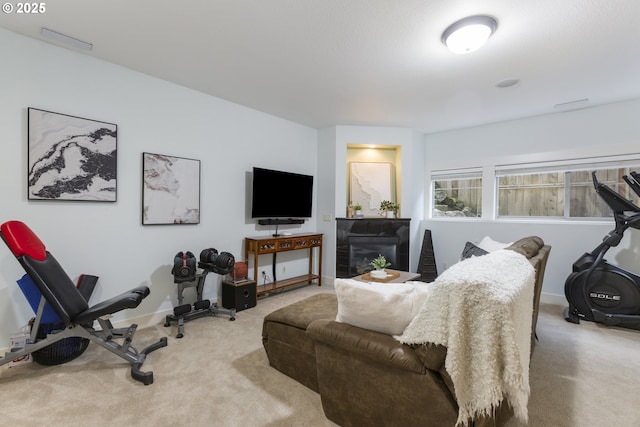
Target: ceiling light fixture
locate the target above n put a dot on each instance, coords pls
(61, 38)
(572, 104)
(469, 34)
(507, 83)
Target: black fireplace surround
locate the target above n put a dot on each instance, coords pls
(361, 240)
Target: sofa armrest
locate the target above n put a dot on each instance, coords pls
(527, 246)
(537, 253)
(432, 356)
(373, 345)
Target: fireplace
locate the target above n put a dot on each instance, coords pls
(361, 240)
(363, 249)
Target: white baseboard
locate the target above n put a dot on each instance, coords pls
(152, 319)
(328, 281)
(553, 299)
(143, 321)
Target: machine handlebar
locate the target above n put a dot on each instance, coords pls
(615, 201)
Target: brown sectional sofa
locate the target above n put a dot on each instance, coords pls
(366, 378)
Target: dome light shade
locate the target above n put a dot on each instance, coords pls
(469, 34)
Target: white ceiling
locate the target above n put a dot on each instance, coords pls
(365, 62)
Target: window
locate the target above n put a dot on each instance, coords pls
(457, 193)
(567, 193)
(546, 190)
(536, 194)
(585, 202)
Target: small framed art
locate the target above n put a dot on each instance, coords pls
(170, 190)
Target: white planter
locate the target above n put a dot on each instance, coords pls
(391, 214)
(378, 274)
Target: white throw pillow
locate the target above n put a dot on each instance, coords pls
(382, 307)
(490, 245)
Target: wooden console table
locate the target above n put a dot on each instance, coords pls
(272, 245)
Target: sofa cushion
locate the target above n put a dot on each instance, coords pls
(472, 250)
(490, 245)
(380, 307)
(301, 313)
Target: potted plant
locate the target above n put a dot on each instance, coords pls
(379, 264)
(389, 208)
(357, 209)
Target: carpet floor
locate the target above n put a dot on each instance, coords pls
(218, 375)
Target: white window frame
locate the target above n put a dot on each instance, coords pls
(565, 167)
(452, 174)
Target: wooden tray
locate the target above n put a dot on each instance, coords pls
(390, 276)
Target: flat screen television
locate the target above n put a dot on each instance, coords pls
(279, 194)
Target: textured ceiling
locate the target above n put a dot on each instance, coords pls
(365, 62)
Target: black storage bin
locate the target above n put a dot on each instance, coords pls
(240, 295)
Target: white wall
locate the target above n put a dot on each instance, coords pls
(607, 130)
(326, 206)
(332, 164)
(107, 239)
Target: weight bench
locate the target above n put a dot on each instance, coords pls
(77, 318)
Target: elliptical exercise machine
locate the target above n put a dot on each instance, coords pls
(596, 290)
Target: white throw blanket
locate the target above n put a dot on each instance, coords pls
(481, 309)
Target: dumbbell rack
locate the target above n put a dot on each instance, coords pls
(202, 307)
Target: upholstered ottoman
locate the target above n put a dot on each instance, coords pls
(284, 336)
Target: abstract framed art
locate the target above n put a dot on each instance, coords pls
(71, 158)
(170, 190)
(370, 184)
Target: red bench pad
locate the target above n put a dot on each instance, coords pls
(22, 241)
